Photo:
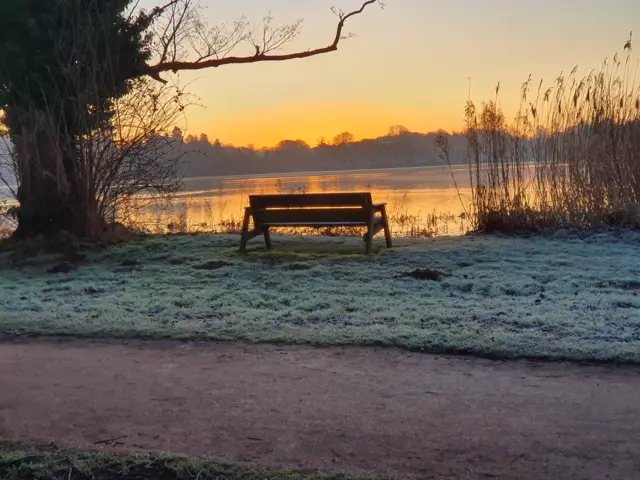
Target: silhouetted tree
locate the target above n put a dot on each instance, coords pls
(64, 65)
(397, 130)
(343, 138)
(177, 135)
(292, 145)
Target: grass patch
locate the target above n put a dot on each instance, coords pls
(572, 298)
(18, 462)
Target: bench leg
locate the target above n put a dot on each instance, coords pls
(267, 237)
(369, 235)
(245, 231)
(387, 230)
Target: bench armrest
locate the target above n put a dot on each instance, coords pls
(378, 206)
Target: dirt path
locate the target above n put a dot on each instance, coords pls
(352, 409)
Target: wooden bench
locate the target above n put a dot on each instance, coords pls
(314, 210)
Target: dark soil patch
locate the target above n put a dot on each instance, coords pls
(212, 265)
(297, 266)
(465, 264)
(93, 291)
(130, 262)
(179, 260)
(629, 285)
(64, 267)
(424, 274)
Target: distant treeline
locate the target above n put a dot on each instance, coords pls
(400, 148)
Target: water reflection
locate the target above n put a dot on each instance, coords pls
(411, 193)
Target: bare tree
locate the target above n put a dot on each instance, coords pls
(343, 138)
(76, 167)
(177, 134)
(292, 145)
(184, 40)
(136, 160)
(92, 130)
(397, 130)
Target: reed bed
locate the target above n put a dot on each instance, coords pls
(570, 157)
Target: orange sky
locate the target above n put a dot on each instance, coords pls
(409, 64)
(311, 121)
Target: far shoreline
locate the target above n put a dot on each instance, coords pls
(460, 166)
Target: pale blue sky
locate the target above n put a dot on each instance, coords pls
(409, 63)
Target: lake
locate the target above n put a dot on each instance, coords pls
(414, 197)
(420, 201)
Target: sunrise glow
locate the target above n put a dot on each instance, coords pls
(414, 63)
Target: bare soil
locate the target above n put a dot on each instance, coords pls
(360, 410)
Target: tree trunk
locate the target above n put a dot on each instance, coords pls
(50, 195)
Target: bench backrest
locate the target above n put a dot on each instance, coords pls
(311, 207)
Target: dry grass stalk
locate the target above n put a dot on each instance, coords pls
(571, 157)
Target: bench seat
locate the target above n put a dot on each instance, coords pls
(315, 210)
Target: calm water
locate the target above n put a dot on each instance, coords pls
(414, 192)
(206, 203)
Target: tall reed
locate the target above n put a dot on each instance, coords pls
(570, 158)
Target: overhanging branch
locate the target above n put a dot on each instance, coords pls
(154, 71)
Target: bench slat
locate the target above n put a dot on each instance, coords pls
(361, 199)
(312, 215)
(316, 224)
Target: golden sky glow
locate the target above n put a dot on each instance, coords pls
(310, 121)
(409, 64)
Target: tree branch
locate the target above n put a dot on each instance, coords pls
(174, 66)
(147, 19)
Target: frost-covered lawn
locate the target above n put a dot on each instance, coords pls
(563, 298)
